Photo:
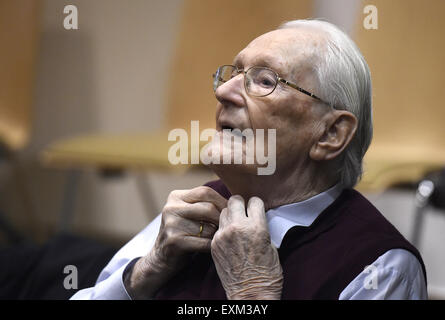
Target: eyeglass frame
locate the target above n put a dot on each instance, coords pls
(279, 79)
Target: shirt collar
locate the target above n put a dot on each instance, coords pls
(302, 213)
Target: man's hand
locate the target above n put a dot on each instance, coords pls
(180, 235)
(247, 263)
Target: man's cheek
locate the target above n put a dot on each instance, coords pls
(217, 114)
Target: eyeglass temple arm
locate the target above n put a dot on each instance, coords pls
(290, 84)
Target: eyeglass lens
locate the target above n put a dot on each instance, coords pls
(258, 81)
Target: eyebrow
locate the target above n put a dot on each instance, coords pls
(261, 61)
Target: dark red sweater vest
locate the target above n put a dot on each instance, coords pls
(318, 261)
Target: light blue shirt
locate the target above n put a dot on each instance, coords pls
(397, 274)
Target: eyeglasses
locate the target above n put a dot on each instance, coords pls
(258, 81)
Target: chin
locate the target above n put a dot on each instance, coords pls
(224, 170)
(229, 158)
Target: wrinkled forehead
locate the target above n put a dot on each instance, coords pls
(287, 51)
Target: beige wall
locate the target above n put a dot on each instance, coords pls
(406, 58)
(211, 34)
(108, 75)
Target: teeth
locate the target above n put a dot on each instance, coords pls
(237, 132)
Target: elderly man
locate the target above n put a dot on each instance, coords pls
(300, 233)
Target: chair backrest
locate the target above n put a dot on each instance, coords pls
(19, 25)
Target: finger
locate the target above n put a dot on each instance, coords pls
(204, 194)
(236, 208)
(197, 229)
(255, 209)
(200, 211)
(193, 244)
(223, 219)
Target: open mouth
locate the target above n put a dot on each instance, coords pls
(224, 127)
(232, 131)
(233, 127)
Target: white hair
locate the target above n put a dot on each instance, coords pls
(344, 81)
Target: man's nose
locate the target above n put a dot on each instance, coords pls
(231, 92)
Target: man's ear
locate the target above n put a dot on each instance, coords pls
(339, 131)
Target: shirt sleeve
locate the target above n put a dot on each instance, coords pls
(396, 275)
(110, 285)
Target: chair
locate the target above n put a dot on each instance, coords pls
(430, 192)
(111, 155)
(19, 30)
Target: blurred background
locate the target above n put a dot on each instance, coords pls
(84, 113)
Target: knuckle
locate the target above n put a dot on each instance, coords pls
(175, 194)
(218, 238)
(167, 207)
(209, 207)
(171, 208)
(172, 195)
(230, 232)
(237, 228)
(168, 220)
(172, 239)
(169, 233)
(202, 191)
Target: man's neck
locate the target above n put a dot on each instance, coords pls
(278, 189)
